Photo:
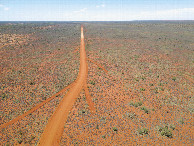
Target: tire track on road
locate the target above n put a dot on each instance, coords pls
(55, 127)
(36, 107)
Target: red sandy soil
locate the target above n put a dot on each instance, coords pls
(54, 129)
(146, 88)
(35, 108)
(31, 73)
(134, 65)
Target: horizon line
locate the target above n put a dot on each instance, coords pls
(87, 21)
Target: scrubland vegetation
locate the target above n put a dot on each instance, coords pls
(146, 97)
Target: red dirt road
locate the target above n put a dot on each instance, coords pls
(54, 129)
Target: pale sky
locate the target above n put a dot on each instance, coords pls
(95, 10)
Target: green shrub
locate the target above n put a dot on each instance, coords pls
(143, 78)
(142, 89)
(145, 109)
(174, 78)
(115, 129)
(136, 104)
(156, 90)
(181, 121)
(172, 127)
(103, 136)
(131, 115)
(4, 96)
(92, 82)
(32, 138)
(19, 141)
(160, 84)
(97, 126)
(164, 131)
(43, 98)
(32, 83)
(143, 131)
(83, 111)
(136, 79)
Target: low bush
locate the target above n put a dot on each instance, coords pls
(145, 109)
(165, 131)
(136, 104)
(143, 131)
(115, 129)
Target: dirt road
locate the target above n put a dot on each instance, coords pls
(88, 97)
(55, 127)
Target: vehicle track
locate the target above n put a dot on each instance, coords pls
(36, 107)
(98, 65)
(88, 97)
(55, 127)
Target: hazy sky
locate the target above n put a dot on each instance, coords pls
(95, 10)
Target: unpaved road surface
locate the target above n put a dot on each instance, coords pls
(55, 127)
